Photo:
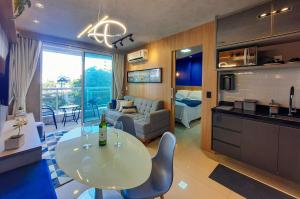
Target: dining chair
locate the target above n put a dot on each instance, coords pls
(161, 177)
(48, 111)
(128, 124)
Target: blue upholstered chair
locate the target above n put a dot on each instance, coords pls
(161, 177)
(128, 124)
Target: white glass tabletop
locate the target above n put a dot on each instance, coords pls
(107, 167)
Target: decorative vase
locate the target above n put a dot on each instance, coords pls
(14, 142)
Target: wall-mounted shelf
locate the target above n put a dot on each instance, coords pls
(262, 67)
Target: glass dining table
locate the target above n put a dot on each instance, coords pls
(108, 167)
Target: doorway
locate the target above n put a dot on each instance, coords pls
(187, 100)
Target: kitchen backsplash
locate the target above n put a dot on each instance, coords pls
(265, 85)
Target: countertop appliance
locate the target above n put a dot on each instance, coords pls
(227, 82)
(237, 57)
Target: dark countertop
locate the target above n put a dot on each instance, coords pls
(262, 113)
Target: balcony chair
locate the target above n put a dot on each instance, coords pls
(161, 177)
(94, 105)
(128, 124)
(48, 111)
(75, 114)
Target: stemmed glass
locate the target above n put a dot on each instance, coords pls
(118, 127)
(86, 129)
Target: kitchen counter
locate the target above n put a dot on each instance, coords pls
(262, 114)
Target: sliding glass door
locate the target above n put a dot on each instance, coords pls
(97, 88)
(72, 78)
(61, 78)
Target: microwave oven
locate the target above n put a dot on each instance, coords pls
(237, 57)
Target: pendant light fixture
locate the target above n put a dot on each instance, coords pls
(101, 30)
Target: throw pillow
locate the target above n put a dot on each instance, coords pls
(129, 109)
(118, 104)
(113, 104)
(125, 103)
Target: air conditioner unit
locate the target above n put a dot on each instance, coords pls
(138, 56)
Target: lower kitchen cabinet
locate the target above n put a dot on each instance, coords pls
(259, 144)
(269, 146)
(289, 153)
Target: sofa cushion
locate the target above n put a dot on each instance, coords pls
(113, 103)
(147, 106)
(113, 114)
(136, 116)
(125, 103)
(118, 105)
(28, 182)
(141, 128)
(129, 109)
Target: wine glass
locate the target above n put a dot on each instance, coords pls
(86, 129)
(118, 128)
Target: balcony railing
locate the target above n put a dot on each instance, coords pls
(56, 97)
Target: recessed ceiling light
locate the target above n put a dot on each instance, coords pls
(263, 15)
(36, 21)
(285, 9)
(39, 5)
(186, 50)
(76, 191)
(182, 184)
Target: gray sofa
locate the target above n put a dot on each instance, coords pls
(150, 121)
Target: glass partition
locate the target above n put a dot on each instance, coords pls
(97, 85)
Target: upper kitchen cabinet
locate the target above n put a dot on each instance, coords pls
(244, 26)
(288, 18)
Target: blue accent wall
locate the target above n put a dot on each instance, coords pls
(190, 70)
(4, 84)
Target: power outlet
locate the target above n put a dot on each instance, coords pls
(208, 94)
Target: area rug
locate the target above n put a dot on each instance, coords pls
(58, 177)
(245, 186)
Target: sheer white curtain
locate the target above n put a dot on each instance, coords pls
(24, 56)
(118, 75)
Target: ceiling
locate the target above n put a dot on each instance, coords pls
(193, 50)
(148, 20)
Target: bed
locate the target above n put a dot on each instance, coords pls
(187, 106)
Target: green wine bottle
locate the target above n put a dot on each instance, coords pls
(103, 131)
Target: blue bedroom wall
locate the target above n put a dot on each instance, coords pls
(190, 70)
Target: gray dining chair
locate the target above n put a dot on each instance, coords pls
(128, 124)
(161, 177)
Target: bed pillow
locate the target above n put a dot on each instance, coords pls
(125, 103)
(129, 109)
(182, 94)
(195, 95)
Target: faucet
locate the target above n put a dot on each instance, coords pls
(291, 100)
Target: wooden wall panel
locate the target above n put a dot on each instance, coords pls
(160, 55)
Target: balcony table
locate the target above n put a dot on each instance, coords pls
(65, 109)
(106, 167)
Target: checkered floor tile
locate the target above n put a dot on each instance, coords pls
(58, 177)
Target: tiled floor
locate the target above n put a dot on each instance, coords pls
(192, 167)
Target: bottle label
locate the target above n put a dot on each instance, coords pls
(102, 134)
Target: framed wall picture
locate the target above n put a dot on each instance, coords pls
(153, 75)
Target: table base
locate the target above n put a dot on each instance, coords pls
(93, 193)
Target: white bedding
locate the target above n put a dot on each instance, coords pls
(186, 114)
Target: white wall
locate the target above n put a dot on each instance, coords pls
(265, 85)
